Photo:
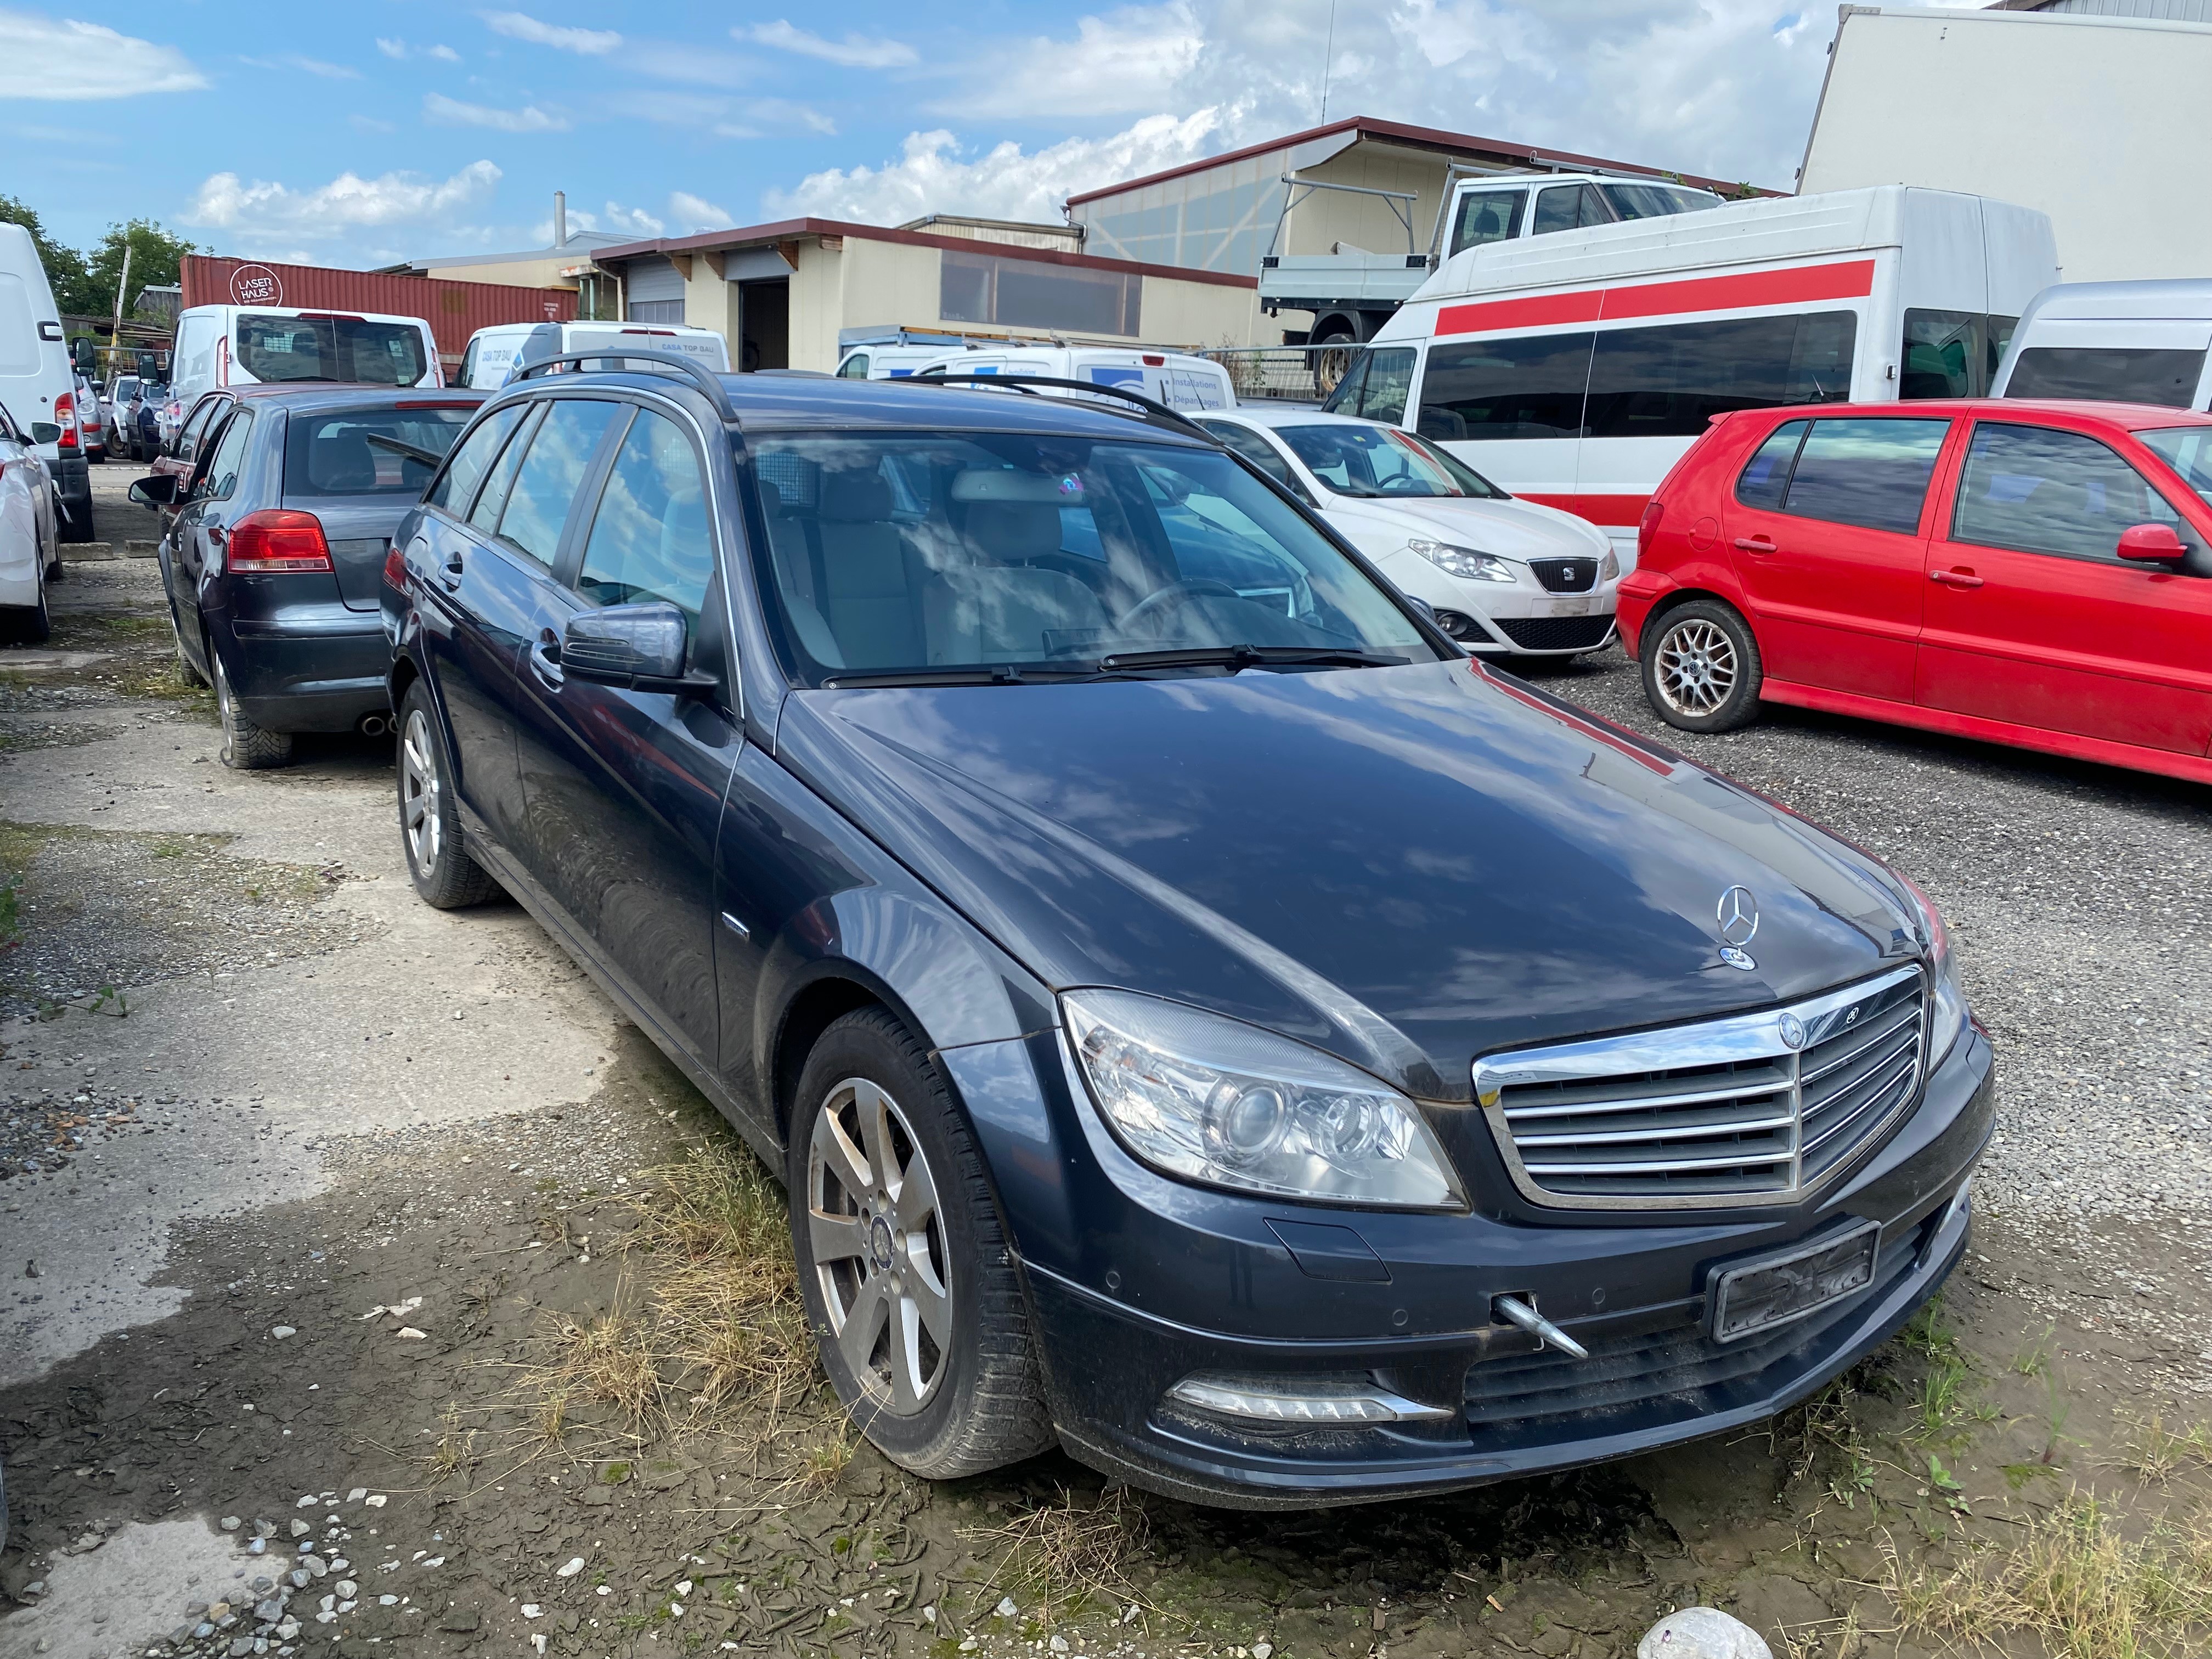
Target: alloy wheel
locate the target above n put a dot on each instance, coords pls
(419, 794)
(878, 1246)
(1697, 667)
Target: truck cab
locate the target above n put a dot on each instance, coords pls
(1352, 292)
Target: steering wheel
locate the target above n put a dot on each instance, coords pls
(1178, 593)
(1405, 483)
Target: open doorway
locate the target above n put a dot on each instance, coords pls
(764, 323)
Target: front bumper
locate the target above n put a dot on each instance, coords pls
(1522, 617)
(1174, 1280)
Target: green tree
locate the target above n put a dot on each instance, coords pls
(156, 257)
(65, 269)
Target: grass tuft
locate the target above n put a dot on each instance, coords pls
(1069, 1554)
(2154, 1453)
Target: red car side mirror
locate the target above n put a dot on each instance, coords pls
(2152, 544)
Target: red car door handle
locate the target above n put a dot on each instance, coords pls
(1755, 544)
(1955, 578)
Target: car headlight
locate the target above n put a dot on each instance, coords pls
(1949, 1015)
(1463, 561)
(1608, 569)
(1216, 1101)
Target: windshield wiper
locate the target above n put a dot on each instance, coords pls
(1238, 657)
(412, 452)
(1002, 673)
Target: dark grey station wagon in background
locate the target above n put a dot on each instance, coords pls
(1202, 1019)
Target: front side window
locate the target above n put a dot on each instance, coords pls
(545, 485)
(2108, 374)
(649, 538)
(2038, 490)
(1670, 381)
(368, 452)
(188, 440)
(457, 487)
(1529, 387)
(1871, 472)
(1492, 215)
(220, 482)
(1381, 394)
(854, 367)
(333, 349)
(2187, 451)
(929, 553)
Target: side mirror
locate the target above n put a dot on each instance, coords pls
(156, 489)
(2152, 544)
(641, 647)
(45, 432)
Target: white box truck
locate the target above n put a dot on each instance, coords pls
(2098, 121)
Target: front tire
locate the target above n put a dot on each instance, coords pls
(445, 876)
(28, 624)
(1702, 669)
(903, 1265)
(246, 747)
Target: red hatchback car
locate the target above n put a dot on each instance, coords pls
(2038, 574)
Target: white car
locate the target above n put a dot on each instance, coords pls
(1505, 577)
(28, 549)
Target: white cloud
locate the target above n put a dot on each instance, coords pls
(853, 51)
(392, 48)
(521, 26)
(696, 214)
(935, 176)
(263, 210)
(695, 65)
(452, 113)
(61, 60)
(1119, 64)
(400, 49)
(444, 54)
(293, 63)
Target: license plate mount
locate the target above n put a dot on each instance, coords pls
(1757, 1296)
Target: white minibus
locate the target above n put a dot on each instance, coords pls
(1172, 378)
(2130, 343)
(489, 356)
(249, 345)
(1576, 368)
(37, 387)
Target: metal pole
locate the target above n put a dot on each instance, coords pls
(1328, 51)
(121, 288)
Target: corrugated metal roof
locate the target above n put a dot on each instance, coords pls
(454, 310)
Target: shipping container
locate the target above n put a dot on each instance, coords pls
(454, 310)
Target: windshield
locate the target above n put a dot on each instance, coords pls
(932, 558)
(1656, 200)
(369, 452)
(342, 348)
(1379, 460)
(2187, 451)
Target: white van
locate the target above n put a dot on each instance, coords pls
(889, 362)
(1166, 377)
(38, 387)
(491, 354)
(250, 345)
(1576, 368)
(2131, 343)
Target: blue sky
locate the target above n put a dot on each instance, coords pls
(380, 129)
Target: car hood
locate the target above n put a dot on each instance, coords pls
(1407, 867)
(1511, 529)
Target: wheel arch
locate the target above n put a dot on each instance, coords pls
(1674, 600)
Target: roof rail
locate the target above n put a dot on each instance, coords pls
(717, 393)
(1147, 410)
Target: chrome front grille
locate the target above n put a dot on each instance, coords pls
(1752, 1108)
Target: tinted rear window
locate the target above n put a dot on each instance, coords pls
(333, 349)
(2112, 374)
(368, 452)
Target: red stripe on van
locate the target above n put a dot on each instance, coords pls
(1849, 279)
(1622, 511)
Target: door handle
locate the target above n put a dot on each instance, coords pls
(451, 575)
(1756, 544)
(1955, 578)
(545, 657)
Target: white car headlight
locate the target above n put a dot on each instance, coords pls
(1948, 1017)
(1216, 1101)
(1463, 561)
(1608, 569)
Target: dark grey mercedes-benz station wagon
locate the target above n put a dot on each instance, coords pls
(1203, 1020)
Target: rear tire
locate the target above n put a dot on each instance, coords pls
(1701, 667)
(903, 1265)
(246, 747)
(445, 876)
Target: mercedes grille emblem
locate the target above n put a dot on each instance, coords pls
(1793, 1031)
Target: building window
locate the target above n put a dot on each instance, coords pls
(983, 288)
(656, 311)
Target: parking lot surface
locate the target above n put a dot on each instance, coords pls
(339, 1244)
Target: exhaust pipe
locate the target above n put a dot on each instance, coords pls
(375, 726)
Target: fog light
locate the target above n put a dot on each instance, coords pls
(1301, 1403)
